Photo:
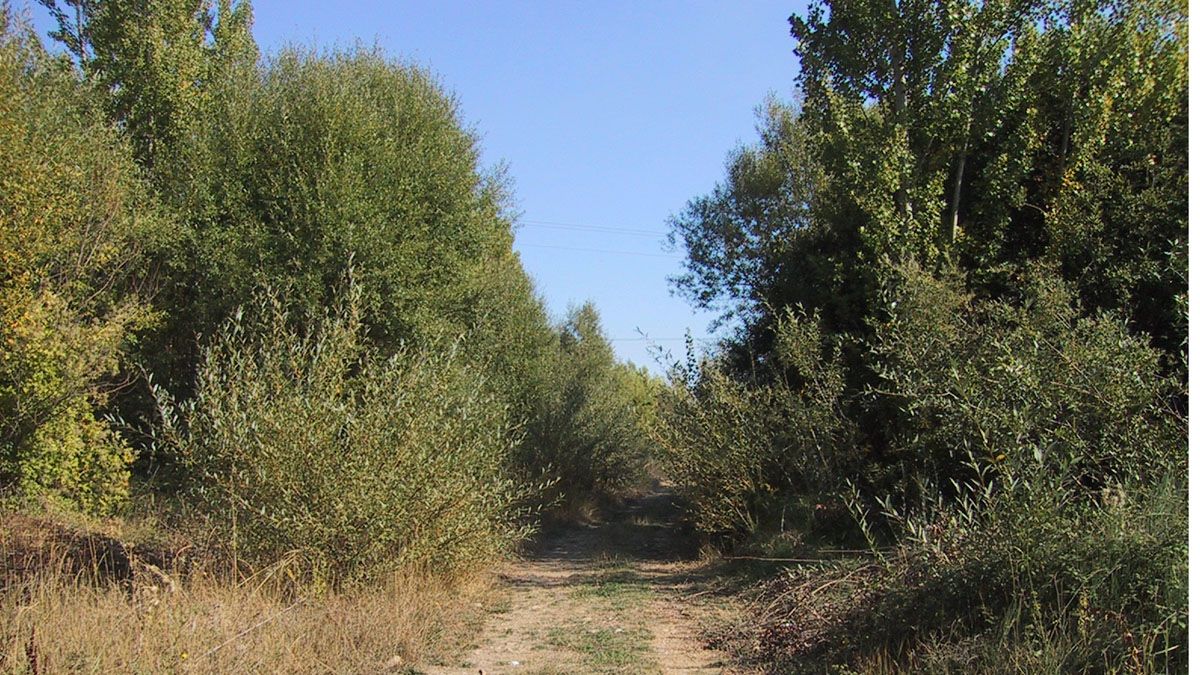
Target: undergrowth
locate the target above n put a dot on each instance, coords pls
(81, 594)
(314, 445)
(1027, 512)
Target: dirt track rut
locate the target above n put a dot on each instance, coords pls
(625, 596)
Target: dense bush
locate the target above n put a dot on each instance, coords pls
(1020, 391)
(281, 168)
(1029, 504)
(717, 447)
(314, 441)
(587, 430)
(314, 158)
(744, 452)
(352, 155)
(1040, 506)
(1016, 583)
(987, 136)
(356, 154)
(74, 219)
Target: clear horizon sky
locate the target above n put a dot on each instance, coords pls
(609, 117)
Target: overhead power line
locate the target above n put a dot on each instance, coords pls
(552, 224)
(588, 250)
(663, 339)
(594, 229)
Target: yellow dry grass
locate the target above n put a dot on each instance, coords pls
(57, 619)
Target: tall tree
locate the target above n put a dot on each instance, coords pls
(161, 62)
(982, 134)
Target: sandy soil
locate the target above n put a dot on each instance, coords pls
(625, 596)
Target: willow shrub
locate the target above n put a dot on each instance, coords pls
(311, 441)
(1024, 389)
(743, 453)
(1018, 584)
(586, 428)
(1035, 481)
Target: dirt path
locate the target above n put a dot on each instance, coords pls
(627, 596)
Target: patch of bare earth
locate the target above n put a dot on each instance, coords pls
(626, 596)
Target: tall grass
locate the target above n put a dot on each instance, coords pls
(57, 624)
(1019, 585)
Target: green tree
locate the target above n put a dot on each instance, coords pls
(982, 135)
(588, 426)
(75, 221)
(282, 171)
(177, 78)
(985, 202)
(161, 63)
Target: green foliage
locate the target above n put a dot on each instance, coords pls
(588, 429)
(280, 171)
(742, 452)
(163, 67)
(360, 156)
(985, 135)
(996, 391)
(322, 158)
(1016, 583)
(985, 204)
(156, 176)
(739, 238)
(283, 169)
(716, 445)
(1030, 497)
(317, 442)
(74, 218)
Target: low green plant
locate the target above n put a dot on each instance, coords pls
(307, 439)
(1022, 389)
(606, 649)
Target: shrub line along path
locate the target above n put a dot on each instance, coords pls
(629, 595)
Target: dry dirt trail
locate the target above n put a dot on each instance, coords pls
(625, 596)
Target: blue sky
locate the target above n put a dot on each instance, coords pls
(609, 115)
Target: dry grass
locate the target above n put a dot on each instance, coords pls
(62, 617)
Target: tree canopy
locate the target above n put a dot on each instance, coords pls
(986, 136)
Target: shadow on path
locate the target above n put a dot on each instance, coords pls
(647, 528)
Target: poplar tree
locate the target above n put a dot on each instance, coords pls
(986, 136)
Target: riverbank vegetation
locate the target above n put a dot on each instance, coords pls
(275, 388)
